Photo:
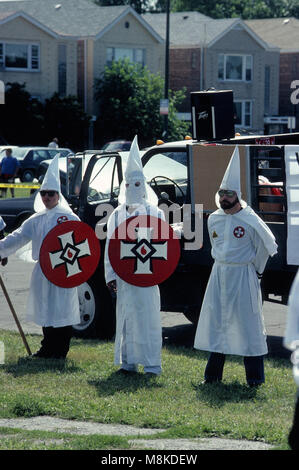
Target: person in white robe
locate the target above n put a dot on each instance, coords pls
(291, 342)
(54, 308)
(2, 227)
(138, 338)
(231, 320)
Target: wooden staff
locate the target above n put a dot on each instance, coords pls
(15, 316)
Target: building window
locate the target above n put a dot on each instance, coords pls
(25, 57)
(235, 67)
(193, 60)
(243, 110)
(267, 90)
(34, 57)
(133, 54)
(62, 69)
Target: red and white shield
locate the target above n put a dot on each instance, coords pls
(70, 254)
(239, 232)
(144, 250)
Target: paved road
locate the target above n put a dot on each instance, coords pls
(176, 328)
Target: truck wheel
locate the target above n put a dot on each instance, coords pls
(96, 313)
(27, 176)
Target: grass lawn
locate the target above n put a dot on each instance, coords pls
(19, 192)
(86, 387)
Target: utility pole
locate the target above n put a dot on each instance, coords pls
(166, 83)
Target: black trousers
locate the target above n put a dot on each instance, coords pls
(294, 432)
(7, 179)
(56, 342)
(254, 368)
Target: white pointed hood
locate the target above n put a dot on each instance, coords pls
(134, 164)
(133, 194)
(51, 182)
(231, 178)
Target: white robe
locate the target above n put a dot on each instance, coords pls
(48, 304)
(138, 319)
(2, 224)
(291, 338)
(231, 320)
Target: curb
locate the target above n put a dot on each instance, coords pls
(48, 423)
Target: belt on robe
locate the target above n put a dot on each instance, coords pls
(233, 264)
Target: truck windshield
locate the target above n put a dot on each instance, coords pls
(167, 173)
(163, 171)
(100, 183)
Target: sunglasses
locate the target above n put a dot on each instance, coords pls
(228, 193)
(50, 193)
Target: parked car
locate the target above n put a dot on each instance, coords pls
(30, 158)
(4, 147)
(43, 166)
(117, 146)
(15, 210)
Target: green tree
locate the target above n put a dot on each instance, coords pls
(235, 8)
(129, 100)
(26, 121)
(21, 118)
(245, 9)
(65, 119)
(141, 6)
(293, 8)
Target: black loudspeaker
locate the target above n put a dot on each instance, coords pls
(212, 115)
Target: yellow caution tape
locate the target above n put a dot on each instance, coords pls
(19, 185)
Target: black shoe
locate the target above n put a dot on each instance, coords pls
(293, 438)
(254, 384)
(41, 355)
(38, 355)
(126, 372)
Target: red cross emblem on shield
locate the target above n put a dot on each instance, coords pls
(69, 254)
(144, 250)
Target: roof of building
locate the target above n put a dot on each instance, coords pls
(77, 18)
(83, 18)
(280, 32)
(188, 28)
(192, 28)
